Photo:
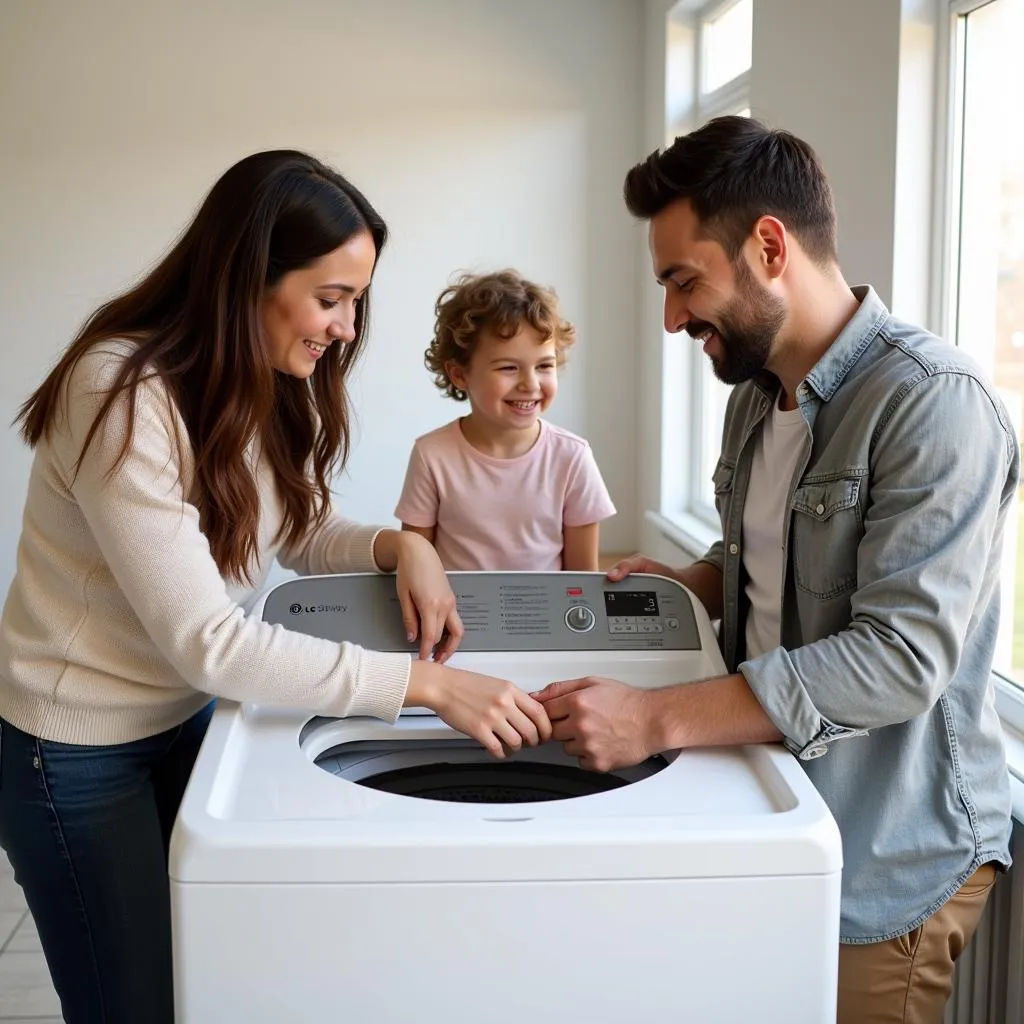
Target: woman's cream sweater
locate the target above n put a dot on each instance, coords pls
(119, 625)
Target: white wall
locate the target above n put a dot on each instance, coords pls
(487, 134)
(829, 73)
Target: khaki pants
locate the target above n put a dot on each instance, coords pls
(908, 980)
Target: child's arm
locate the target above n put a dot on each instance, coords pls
(579, 548)
(430, 532)
(587, 502)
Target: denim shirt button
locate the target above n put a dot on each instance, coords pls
(734, 548)
(820, 509)
(818, 750)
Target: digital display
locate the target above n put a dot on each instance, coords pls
(630, 602)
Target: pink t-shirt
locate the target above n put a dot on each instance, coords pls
(502, 514)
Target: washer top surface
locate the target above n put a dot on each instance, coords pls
(260, 808)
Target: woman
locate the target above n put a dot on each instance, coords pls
(186, 439)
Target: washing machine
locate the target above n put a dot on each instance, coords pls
(356, 871)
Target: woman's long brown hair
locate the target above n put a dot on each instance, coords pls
(195, 324)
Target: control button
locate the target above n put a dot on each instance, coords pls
(671, 622)
(579, 618)
(623, 627)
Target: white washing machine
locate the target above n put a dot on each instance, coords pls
(354, 871)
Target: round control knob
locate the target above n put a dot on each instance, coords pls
(579, 618)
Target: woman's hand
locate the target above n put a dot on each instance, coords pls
(495, 712)
(428, 604)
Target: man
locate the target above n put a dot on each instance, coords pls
(864, 481)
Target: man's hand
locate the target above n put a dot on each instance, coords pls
(703, 578)
(604, 723)
(640, 563)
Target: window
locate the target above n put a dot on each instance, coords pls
(708, 74)
(727, 43)
(984, 273)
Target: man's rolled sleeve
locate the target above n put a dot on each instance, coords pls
(775, 683)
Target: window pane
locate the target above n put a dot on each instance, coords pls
(713, 396)
(680, 74)
(989, 276)
(709, 419)
(727, 45)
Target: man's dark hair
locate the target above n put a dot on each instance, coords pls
(734, 170)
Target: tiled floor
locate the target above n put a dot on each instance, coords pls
(26, 994)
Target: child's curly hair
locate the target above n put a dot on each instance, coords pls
(501, 303)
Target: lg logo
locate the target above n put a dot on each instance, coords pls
(317, 609)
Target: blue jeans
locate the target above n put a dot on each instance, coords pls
(87, 829)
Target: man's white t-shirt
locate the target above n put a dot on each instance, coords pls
(778, 449)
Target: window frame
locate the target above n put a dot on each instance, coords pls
(948, 163)
(948, 171)
(691, 522)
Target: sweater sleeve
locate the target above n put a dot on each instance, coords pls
(337, 545)
(149, 536)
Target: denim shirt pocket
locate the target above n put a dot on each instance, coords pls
(722, 477)
(826, 531)
(722, 480)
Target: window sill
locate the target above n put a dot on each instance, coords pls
(1010, 705)
(1015, 762)
(686, 531)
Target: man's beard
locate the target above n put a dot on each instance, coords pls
(746, 328)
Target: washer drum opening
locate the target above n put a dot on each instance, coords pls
(461, 771)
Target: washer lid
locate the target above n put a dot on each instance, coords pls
(258, 809)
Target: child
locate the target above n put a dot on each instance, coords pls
(500, 488)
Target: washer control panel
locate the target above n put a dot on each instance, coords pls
(501, 611)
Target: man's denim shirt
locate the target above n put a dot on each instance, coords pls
(890, 608)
